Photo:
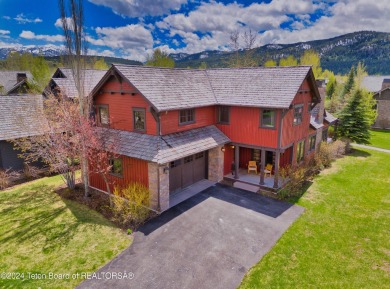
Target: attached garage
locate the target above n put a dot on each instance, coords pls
(187, 171)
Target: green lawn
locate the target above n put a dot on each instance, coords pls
(42, 233)
(380, 139)
(342, 240)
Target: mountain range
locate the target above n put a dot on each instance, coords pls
(337, 54)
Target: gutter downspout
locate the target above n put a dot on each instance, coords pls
(158, 168)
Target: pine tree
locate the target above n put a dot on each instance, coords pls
(331, 86)
(350, 82)
(355, 119)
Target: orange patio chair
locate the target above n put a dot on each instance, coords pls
(252, 166)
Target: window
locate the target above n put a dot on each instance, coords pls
(300, 151)
(188, 159)
(224, 114)
(199, 155)
(298, 110)
(139, 119)
(186, 116)
(312, 143)
(104, 119)
(325, 135)
(175, 164)
(116, 167)
(268, 118)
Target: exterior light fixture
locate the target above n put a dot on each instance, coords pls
(232, 146)
(223, 149)
(166, 170)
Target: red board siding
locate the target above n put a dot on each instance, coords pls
(204, 116)
(245, 128)
(121, 106)
(293, 133)
(245, 157)
(134, 170)
(228, 159)
(285, 158)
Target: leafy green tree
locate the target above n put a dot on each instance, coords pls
(361, 72)
(310, 57)
(160, 59)
(350, 82)
(288, 61)
(41, 73)
(355, 119)
(100, 64)
(203, 65)
(269, 63)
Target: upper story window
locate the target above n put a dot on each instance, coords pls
(267, 118)
(298, 112)
(312, 142)
(186, 116)
(224, 114)
(139, 119)
(103, 116)
(300, 151)
(116, 167)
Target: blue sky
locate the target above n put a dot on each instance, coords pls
(133, 28)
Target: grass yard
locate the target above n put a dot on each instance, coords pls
(42, 233)
(342, 239)
(380, 139)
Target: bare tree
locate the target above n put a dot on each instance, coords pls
(246, 42)
(72, 17)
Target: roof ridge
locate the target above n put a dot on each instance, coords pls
(211, 87)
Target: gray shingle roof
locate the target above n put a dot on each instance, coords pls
(374, 83)
(163, 149)
(67, 84)
(314, 123)
(170, 88)
(19, 116)
(8, 80)
(329, 117)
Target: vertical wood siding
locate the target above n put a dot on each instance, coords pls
(204, 116)
(134, 170)
(285, 158)
(245, 128)
(293, 133)
(228, 159)
(245, 157)
(121, 106)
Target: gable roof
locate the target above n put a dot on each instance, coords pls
(19, 116)
(63, 78)
(329, 118)
(373, 83)
(173, 88)
(8, 80)
(167, 148)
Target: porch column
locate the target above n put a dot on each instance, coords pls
(276, 178)
(236, 161)
(262, 167)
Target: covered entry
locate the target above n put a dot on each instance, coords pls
(186, 171)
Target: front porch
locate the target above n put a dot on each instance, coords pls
(254, 180)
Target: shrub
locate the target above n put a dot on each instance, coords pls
(6, 178)
(30, 172)
(130, 205)
(294, 178)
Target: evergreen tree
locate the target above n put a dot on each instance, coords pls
(350, 82)
(160, 59)
(331, 86)
(355, 119)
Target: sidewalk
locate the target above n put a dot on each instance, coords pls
(370, 148)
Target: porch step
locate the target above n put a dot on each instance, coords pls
(247, 187)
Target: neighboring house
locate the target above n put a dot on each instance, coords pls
(14, 82)
(18, 119)
(62, 82)
(380, 86)
(320, 119)
(179, 126)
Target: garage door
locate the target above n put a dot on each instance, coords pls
(184, 172)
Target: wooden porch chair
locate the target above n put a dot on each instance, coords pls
(252, 166)
(268, 170)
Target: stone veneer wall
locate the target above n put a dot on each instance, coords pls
(215, 170)
(154, 180)
(383, 118)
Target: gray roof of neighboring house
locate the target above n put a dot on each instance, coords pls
(171, 88)
(8, 80)
(374, 83)
(167, 148)
(314, 123)
(19, 115)
(329, 117)
(67, 84)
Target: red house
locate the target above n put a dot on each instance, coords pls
(179, 127)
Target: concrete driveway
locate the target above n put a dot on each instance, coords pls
(209, 241)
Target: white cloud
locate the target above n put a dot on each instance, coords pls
(50, 38)
(4, 32)
(139, 8)
(132, 40)
(22, 19)
(7, 17)
(58, 22)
